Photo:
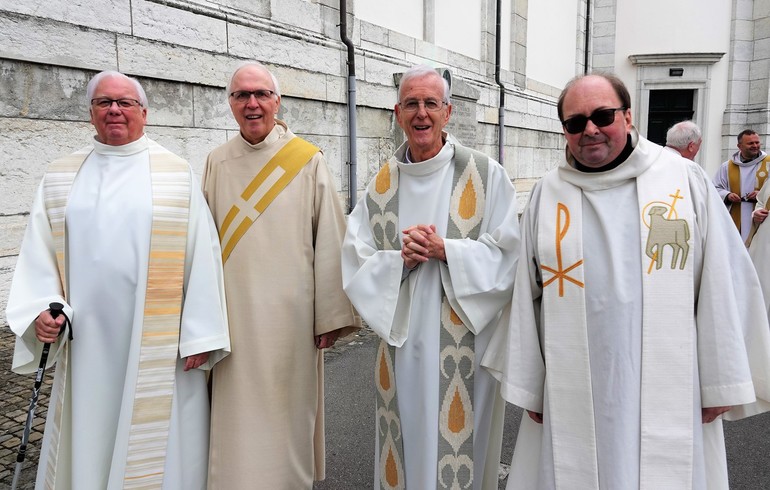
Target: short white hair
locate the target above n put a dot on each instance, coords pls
(682, 134)
(420, 71)
(97, 79)
(258, 65)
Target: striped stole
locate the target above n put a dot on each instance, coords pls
(148, 436)
(734, 180)
(456, 353)
(262, 190)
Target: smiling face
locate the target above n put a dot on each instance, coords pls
(595, 146)
(749, 146)
(255, 118)
(114, 125)
(423, 128)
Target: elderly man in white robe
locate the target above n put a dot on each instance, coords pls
(120, 235)
(637, 320)
(428, 261)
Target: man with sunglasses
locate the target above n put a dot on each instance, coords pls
(120, 235)
(740, 178)
(428, 261)
(637, 319)
(281, 226)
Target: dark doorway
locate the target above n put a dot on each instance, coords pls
(668, 107)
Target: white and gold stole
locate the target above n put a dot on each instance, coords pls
(666, 220)
(151, 413)
(456, 358)
(734, 180)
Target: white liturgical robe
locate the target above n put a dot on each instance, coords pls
(108, 222)
(750, 174)
(405, 310)
(729, 345)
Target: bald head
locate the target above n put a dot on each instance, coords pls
(594, 110)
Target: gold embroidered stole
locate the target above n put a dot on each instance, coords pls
(666, 221)
(148, 436)
(734, 180)
(263, 188)
(456, 353)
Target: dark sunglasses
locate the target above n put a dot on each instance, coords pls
(600, 117)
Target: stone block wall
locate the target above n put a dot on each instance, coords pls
(183, 52)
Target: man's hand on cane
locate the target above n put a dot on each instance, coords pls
(47, 328)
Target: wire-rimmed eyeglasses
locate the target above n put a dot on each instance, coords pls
(430, 105)
(243, 96)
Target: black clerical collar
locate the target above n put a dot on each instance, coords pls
(629, 148)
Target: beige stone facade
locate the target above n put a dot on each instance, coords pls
(184, 50)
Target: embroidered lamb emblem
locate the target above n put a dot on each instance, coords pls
(672, 232)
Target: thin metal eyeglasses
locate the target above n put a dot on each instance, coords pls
(105, 103)
(244, 96)
(600, 117)
(430, 105)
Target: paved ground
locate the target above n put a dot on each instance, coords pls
(349, 422)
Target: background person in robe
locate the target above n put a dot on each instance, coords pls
(284, 289)
(428, 261)
(685, 138)
(623, 363)
(739, 179)
(110, 222)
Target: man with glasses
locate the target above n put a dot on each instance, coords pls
(428, 261)
(120, 235)
(637, 319)
(740, 178)
(281, 226)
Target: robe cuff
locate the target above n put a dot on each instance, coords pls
(723, 396)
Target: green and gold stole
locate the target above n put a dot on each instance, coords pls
(262, 190)
(456, 358)
(734, 179)
(148, 437)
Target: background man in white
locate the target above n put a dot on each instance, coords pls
(739, 179)
(433, 292)
(623, 361)
(110, 295)
(685, 138)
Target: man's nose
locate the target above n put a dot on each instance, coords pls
(591, 128)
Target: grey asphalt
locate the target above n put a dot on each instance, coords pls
(349, 424)
(350, 427)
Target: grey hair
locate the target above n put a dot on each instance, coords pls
(420, 71)
(97, 79)
(682, 134)
(258, 65)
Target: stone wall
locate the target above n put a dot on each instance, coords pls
(183, 52)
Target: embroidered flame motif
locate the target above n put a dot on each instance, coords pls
(456, 414)
(384, 375)
(383, 179)
(391, 471)
(560, 272)
(467, 208)
(454, 318)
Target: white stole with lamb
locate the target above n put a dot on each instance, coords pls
(668, 330)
